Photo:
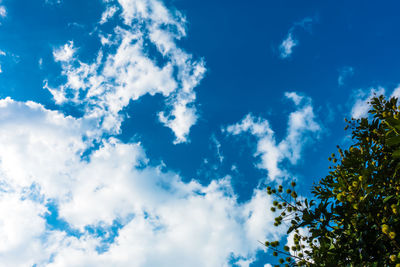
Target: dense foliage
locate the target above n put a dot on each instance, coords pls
(352, 218)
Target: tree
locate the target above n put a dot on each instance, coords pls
(352, 218)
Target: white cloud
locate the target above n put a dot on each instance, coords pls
(345, 73)
(303, 232)
(296, 98)
(108, 14)
(3, 11)
(114, 79)
(301, 125)
(165, 220)
(218, 148)
(361, 102)
(396, 92)
(21, 222)
(64, 53)
(287, 45)
(44, 158)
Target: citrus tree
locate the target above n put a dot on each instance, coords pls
(352, 218)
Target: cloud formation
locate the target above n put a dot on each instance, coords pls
(163, 220)
(114, 79)
(74, 197)
(108, 14)
(361, 101)
(287, 45)
(301, 126)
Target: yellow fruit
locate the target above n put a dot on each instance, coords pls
(394, 209)
(392, 235)
(350, 198)
(385, 229)
(393, 258)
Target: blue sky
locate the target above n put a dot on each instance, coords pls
(144, 132)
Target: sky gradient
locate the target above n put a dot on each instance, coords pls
(144, 132)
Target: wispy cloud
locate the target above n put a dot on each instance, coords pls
(287, 45)
(53, 2)
(3, 11)
(301, 124)
(218, 148)
(345, 73)
(2, 53)
(108, 14)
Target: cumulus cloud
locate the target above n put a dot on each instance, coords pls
(64, 53)
(163, 220)
(301, 125)
(108, 84)
(74, 197)
(287, 45)
(62, 167)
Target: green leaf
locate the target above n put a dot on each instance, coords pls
(393, 141)
(393, 122)
(396, 154)
(388, 198)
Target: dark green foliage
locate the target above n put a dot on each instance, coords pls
(353, 217)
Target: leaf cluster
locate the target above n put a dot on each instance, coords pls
(352, 218)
